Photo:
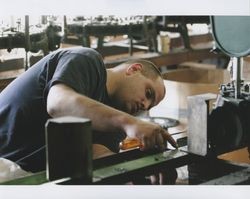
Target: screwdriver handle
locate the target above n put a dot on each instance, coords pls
(130, 143)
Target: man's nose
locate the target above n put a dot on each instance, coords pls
(145, 105)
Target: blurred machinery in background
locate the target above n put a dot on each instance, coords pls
(115, 37)
(103, 33)
(139, 29)
(179, 24)
(44, 36)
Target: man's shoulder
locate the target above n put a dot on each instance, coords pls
(83, 51)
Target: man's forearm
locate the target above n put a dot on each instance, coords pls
(63, 101)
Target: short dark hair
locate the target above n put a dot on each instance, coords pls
(149, 69)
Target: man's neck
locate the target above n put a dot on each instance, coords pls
(112, 76)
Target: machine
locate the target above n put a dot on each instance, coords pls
(224, 126)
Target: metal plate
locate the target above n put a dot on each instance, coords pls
(231, 34)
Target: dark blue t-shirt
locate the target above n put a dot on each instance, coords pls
(23, 111)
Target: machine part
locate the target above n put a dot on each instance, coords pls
(68, 148)
(179, 24)
(119, 168)
(34, 179)
(182, 141)
(143, 29)
(198, 110)
(240, 114)
(123, 172)
(27, 41)
(126, 166)
(53, 37)
(237, 67)
(212, 171)
(231, 34)
(225, 130)
(164, 122)
(235, 178)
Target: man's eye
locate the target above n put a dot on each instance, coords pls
(149, 93)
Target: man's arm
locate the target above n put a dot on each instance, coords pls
(62, 101)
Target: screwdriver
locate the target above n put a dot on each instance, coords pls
(130, 143)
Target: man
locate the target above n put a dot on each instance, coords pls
(74, 82)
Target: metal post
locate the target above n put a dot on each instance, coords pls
(237, 66)
(198, 111)
(27, 41)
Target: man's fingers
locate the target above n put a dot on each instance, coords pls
(147, 143)
(159, 140)
(169, 138)
(161, 144)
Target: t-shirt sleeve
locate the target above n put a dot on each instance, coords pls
(80, 72)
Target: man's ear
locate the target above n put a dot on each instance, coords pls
(133, 68)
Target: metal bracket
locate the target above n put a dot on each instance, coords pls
(198, 110)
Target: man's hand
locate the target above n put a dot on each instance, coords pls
(150, 135)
